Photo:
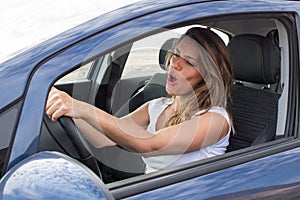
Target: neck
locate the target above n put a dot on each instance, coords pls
(185, 99)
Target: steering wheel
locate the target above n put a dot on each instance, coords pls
(74, 134)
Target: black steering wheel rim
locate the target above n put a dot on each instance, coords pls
(74, 135)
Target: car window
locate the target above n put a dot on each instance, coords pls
(80, 74)
(265, 97)
(126, 71)
(143, 62)
(143, 56)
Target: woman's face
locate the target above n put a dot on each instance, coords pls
(183, 72)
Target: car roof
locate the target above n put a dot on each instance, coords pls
(16, 71)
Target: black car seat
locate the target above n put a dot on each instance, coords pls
(116, 61)
(255, 90)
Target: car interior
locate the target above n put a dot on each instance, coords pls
(122, 80)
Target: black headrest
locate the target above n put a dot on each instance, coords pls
(167, 46)
(255, 59)
(273, 36)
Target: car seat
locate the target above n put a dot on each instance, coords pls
(255, 90)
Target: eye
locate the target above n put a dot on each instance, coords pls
(189, 63)
(175, 55)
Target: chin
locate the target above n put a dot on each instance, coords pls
(170, 91)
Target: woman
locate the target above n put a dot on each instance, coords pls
(192, 125)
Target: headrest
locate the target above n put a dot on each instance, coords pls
(165, 48)
(255, 59)
(273, 36)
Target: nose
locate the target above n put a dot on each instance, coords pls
(176, 62)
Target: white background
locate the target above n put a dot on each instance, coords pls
(27, 23)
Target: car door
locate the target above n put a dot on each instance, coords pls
(248, 173)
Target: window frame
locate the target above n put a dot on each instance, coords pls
(162, 178)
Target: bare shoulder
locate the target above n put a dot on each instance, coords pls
(213, 121)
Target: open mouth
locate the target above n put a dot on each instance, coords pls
(172, 78)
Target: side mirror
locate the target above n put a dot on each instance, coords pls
(52, 175)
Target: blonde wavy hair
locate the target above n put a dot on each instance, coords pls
(216, 71)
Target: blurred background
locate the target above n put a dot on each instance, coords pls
(27, 23)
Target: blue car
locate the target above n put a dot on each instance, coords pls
(116, 62)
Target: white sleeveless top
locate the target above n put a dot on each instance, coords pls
(155, 108)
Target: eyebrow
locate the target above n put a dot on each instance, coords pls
(189, 57)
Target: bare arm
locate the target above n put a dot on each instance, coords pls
(60, 103)
(94, 136)
(191, 135)
(129, 132)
